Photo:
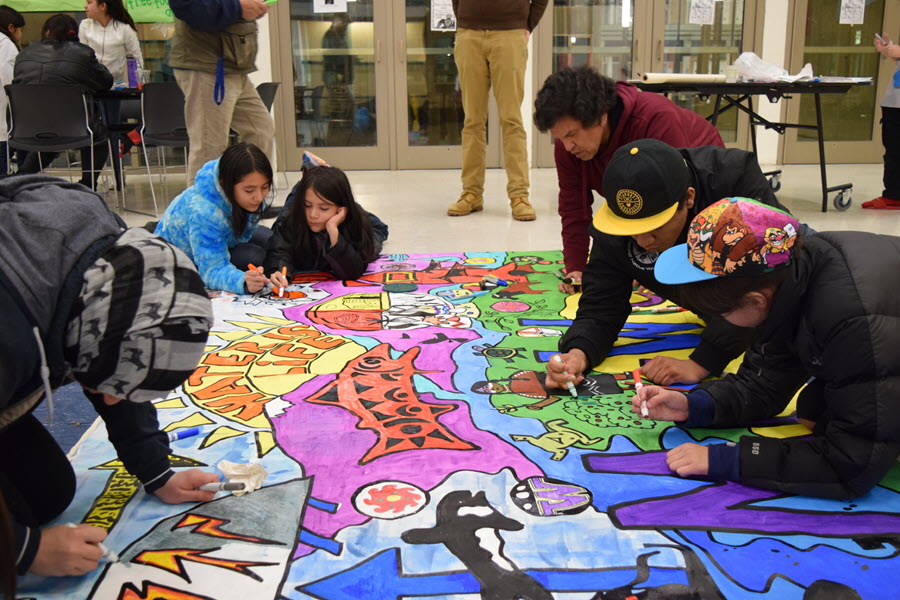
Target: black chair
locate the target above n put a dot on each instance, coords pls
(50, 118)
(267, 92)
(162, 117)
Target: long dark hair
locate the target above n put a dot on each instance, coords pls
(10, 16)
(331, 184)
(116, 9)
(237, 162)
(60, 28)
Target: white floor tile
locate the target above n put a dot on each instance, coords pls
(414, 204)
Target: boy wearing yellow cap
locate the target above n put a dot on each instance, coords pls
(653, 191)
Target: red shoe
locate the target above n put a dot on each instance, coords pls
(882, 203)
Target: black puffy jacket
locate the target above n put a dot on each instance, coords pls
(62, 63)
(837, 319)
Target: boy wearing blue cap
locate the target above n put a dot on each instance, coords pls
(824, 318)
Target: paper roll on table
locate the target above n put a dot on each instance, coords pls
(682, 78)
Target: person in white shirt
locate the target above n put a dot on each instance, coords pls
(111, 32)
(11, 25)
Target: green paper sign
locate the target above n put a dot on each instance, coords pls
(142, 11)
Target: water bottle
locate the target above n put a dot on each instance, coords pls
(131, 66)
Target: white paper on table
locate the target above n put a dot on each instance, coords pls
(853, 12)
(703, 12)
(329, 6)
(805, 74)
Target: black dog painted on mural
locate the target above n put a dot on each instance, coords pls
(470, 528)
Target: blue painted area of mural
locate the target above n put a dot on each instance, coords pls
(659, 337)
(752, 564)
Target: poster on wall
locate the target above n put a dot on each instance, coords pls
(149, 11)
(442, 17)
(142, 11)
(703, 12)
(329, 6)
(853, 12)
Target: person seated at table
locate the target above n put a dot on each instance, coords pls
(323, 228)
(590, 116)
(825, 318)
(59, 58)
(123, 313)
(111, 32)
(216, 220)
(653, 191)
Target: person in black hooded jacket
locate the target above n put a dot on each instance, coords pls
(827, 317)
(122, 311)
(59, 58)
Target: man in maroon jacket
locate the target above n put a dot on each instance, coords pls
(491, 51)
(590, 116)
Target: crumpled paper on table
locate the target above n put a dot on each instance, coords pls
(751, 66)
(250, 474)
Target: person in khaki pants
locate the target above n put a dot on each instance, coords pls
(491, 51)
(213, 52)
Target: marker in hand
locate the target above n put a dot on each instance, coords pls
(223, 486)
(638, 385)
(569, 385)
(283, 274)
(108, 555)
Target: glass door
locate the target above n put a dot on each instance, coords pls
(373, 86)
(428, 113)
(338, 105)
(600, 33)
(625, 38)
(850, 120)
(679, 46)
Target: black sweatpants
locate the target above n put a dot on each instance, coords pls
(890, 139)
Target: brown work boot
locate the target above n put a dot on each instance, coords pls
(466, 204)
(521, 209)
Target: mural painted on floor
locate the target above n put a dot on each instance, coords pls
(413, 451)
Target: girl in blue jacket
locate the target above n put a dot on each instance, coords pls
(323, 228)
(216, 220)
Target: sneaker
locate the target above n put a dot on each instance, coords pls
(521, 209)
(310, 160)
(466, 204)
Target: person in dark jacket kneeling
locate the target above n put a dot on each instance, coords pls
(126, 314)
(825, 317)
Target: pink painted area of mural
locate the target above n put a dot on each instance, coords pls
(510, 306)
(334, 465)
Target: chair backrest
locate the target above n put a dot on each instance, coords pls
(162, 113)
(47, 115)
(267, 91)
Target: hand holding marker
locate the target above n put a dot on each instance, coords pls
(108, 555)
(638, 385)
(223, 486)
(569, 385)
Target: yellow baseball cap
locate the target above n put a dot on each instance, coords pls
(643, 184)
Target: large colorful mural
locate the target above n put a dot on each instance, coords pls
(413, 451)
